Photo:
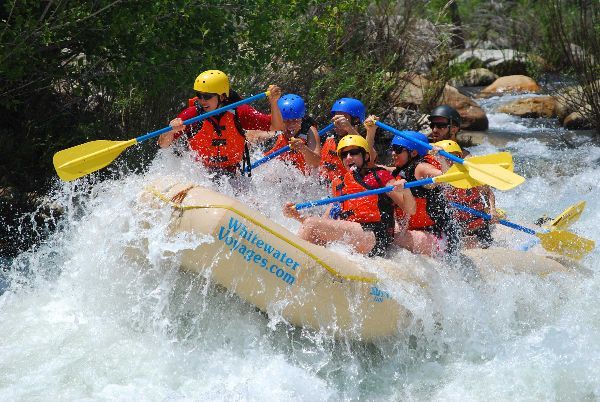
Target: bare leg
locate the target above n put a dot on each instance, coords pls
(323, 231)
(418, 241)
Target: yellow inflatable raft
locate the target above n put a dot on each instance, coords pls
(309, 285)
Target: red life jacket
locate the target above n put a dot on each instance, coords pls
(472, 198)
(296, 158)
(369, 209)
(220, 142)
(331, 164)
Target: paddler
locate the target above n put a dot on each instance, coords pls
(300, 134)
(444, 122)
(347, 114)
(432, 229)
(475, 231)
(220, 141)
(367, 223)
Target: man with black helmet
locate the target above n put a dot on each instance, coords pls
(444, 122)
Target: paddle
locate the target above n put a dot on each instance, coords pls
(490, 174)
(557, 241)
(567, 217)
(456, 176)
(562, 221)
(80, 160)
(280, 151)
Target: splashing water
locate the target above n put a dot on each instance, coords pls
(102, 311)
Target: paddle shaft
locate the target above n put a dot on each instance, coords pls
(488, 217)
(341, 198)
(424, 144)
(202, 116)
(280, 151)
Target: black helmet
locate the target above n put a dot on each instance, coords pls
(447, 112)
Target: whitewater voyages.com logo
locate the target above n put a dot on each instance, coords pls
(254, 249)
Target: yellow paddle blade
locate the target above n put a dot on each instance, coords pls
(75, 162)
(567, 217)
(503, 159)
(493, 175)
(566, 243)
(457, 176)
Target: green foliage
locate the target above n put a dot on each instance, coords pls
(76, 71)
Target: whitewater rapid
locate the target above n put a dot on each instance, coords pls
(84, 318)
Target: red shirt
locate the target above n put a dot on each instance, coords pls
(250, 118)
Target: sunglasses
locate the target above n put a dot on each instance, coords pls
(397, 149)
(352, 152)
(433, 125)
(205, 96)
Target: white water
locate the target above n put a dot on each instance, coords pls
(83, 321)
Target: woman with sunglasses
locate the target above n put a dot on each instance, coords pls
(220, 141)
(300, 134)
(431, 230)
(366, 223)
(347, 114)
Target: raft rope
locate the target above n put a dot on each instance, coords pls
(176, 202)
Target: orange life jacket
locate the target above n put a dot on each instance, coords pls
(472, 198)
(296, 158)
(220, 142)
(432, 161)
(420, 219)
(331, 165)
(369, 209)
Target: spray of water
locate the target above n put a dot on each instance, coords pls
(102, 310)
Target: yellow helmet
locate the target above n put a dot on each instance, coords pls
(353, 140)
(448, 146)
(213, 82)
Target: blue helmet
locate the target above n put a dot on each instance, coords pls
(291, 106)
(404, 142)
(353, 107)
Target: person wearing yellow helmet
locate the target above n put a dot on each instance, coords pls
(366, 223)
(219, 141)
(475, 231)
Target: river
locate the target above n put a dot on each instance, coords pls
(84, 320)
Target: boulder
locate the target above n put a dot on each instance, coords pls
(572, 99)
(511, 83)
(500, 61)
(410, 96)
(476, 77)
(538, 106)
(576, 121)
(473, 116)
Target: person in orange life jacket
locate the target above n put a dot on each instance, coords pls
(219, 141)
(366, 223)
(432, 230)
(300, 134)
(476, 231)
(347, 114)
